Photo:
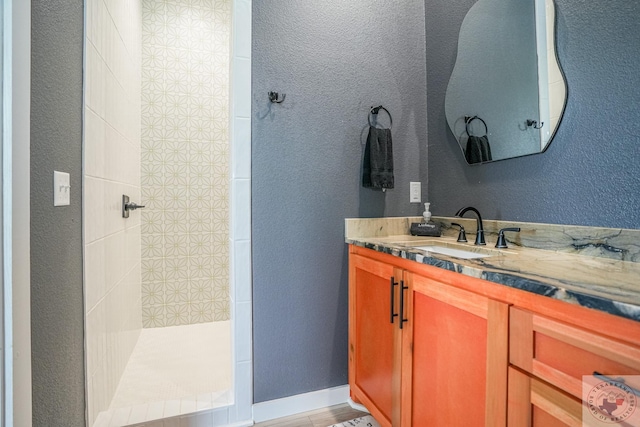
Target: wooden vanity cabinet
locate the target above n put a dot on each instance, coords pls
(473, 353)
(561, 354)
(454, 357)
(374, 355)
(447, 365)
(551, 357)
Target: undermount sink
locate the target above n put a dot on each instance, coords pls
(453, 249)
(457, 253)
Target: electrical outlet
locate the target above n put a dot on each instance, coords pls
(415, 193)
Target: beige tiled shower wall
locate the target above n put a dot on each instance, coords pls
(185, 166)
(111, 168)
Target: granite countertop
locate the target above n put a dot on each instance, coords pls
(605, 280)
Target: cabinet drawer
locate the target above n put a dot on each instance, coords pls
(561, 354)
(537, 404)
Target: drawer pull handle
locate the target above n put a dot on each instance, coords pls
(393, 285)
(599, 376)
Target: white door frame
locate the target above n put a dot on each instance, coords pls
(15, 169)
(241, 413)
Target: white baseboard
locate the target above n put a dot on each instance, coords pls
(291, 405)
(357, 406)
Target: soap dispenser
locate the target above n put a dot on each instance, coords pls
(426, 227)
(426, 214)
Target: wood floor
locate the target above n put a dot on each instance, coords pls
(319, 418)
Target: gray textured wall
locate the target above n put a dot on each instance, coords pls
(590, 174)
(56, 244)
(333, 60)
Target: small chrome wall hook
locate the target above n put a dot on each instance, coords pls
(275, 97)
(534, 124)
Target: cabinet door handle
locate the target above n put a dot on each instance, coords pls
(393, 285)
(402, 289)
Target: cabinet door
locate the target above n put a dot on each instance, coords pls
(374, 359)
(533, 403)
(454, 349)
(561, 354)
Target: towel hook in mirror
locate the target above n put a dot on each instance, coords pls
(275, 97)
(534, 124)
(375, 110)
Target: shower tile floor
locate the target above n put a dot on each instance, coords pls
(173, 371)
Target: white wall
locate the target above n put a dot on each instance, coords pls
(112, 110)
(16, 325)
(240, 233)
(557, 88)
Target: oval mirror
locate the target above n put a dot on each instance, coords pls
(507, 93)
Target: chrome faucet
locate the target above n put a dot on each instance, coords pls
(480, 231)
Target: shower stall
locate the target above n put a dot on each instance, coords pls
(167, 293)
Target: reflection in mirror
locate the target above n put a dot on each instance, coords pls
(507, 92)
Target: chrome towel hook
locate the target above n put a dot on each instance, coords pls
(275, 97)
(534, 124)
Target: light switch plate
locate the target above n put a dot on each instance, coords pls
(61, 189)
(415, 192)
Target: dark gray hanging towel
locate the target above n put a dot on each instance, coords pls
(377, 170)
(478, 149)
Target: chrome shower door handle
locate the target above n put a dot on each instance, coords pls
(128, 206)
